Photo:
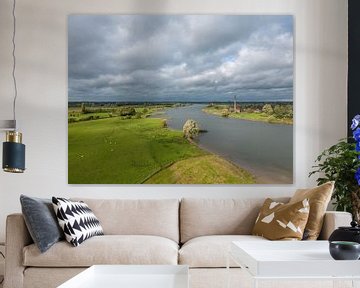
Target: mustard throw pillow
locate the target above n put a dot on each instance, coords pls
(279, 221)
(319, 198)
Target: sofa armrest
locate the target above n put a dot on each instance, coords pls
(17, 237)
(333, 220)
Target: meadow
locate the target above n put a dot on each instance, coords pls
(118, 147)
(279, 113)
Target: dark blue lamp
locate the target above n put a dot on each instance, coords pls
(13, 159)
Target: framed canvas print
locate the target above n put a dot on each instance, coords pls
(180, 99)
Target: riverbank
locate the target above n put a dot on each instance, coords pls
(92, 111)
(208, 169)
(133, 151)
(250, 116)
(263, 149)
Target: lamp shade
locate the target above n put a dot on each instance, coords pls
(13, 153)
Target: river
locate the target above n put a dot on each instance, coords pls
(265, 150)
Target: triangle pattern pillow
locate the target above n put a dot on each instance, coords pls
(77, 220)
(279, 221)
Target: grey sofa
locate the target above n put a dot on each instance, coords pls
(194, 232)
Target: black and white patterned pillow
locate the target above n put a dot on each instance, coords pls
(77, 220)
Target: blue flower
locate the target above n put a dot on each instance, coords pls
(355, 122)
(356, 134)
(355, 126)
(357, 176)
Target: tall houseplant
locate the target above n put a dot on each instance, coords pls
(341, 163)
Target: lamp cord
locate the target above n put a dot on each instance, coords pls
(14, 61)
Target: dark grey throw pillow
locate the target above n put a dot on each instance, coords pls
(41, 221)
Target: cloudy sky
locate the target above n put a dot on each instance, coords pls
(196, 58)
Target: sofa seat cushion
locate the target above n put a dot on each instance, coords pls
(206, 217)
(159, 217)
(108, 249)
(211, 251)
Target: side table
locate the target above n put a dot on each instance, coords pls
(293, 263)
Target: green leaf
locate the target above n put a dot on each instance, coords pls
(339, 163)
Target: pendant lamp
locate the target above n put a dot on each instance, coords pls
(13, 159)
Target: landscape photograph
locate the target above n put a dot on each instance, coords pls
(180, 99)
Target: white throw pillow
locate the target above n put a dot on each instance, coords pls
(76, 220)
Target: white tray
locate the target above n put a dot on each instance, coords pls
(131, 276)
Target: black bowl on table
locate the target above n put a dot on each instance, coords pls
(344, 250)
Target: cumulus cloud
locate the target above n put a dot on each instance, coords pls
(131, 58)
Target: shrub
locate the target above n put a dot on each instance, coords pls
(267, 109)
(191, 129)
(83, 108)
(72, 119)
(138, 115)
(225, 113)
(127, 111)
(283, 111)
(272, 119)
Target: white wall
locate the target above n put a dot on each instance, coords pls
(320, 91)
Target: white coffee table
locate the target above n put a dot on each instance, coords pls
(131, 276)
(292, 260)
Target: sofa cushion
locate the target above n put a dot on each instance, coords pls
(158, 217)
(108, 249)
(211, 251)
(201, 217)
(76, 220)
(41, 221)
(319, 198)
(279, 221)
(35, 277)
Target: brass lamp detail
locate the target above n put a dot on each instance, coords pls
(13, 136)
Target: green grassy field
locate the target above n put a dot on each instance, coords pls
(208, 169)
(129, 151)
(251, 116)
(93, 112)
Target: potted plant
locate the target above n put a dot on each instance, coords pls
(341, 163)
